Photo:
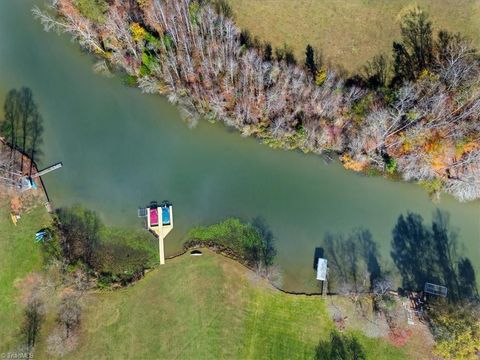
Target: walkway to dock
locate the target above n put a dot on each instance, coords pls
(159, 228)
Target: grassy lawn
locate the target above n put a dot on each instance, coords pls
(19, 255)
(206, 307)
(350, 32)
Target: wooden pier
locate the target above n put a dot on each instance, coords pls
(160, 222)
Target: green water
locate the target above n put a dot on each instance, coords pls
(122, 149)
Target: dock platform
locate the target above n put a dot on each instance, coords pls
(160, 223)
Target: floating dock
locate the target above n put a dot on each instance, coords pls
(322, 273)
(160, 222)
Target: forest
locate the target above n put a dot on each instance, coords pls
(414, 113)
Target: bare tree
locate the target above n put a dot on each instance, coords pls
(381, 286)
(64, 338)
(194, 55)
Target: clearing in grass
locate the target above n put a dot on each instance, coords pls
(207, 307)
(19, 255)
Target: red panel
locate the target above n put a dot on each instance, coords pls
(153, 217)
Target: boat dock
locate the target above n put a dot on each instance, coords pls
(159, 222)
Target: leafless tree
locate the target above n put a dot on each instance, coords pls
(64, 337)
(382, 286)
(194, 56)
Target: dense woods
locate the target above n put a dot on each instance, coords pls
(416, 115)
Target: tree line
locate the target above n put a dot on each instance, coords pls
(417, 115)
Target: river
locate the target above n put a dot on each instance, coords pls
(122, 149)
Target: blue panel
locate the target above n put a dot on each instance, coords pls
(165, 215)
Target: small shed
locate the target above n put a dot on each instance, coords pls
(322, 269)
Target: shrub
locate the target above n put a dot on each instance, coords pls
(115, 254)
(52, 248)
(252, 242)
(123, 255)
(391, 165)
(321, 76)
(231, 233)
(93, 9)
(79, 231)
(193, 12)
(433, 186)
(143, 3)
(362, 107)
(130, 80)
(222, 7)
(351, 164)
(285, 53)
(148, 63)
(456, 330)
(138, 32)
(121, 261)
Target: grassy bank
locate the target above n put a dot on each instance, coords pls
(19, 255)
(350, 32)
(204, 308)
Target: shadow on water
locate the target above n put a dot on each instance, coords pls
(268, 250)
(421, 253)
(428, 253)
(353, 259)
(370, 255)
(21, 125)
(317, 255)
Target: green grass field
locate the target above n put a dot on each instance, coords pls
(350, 32)
(206, 307)
(19, 255)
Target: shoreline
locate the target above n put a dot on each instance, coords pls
(314, 131)
(38, 181)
